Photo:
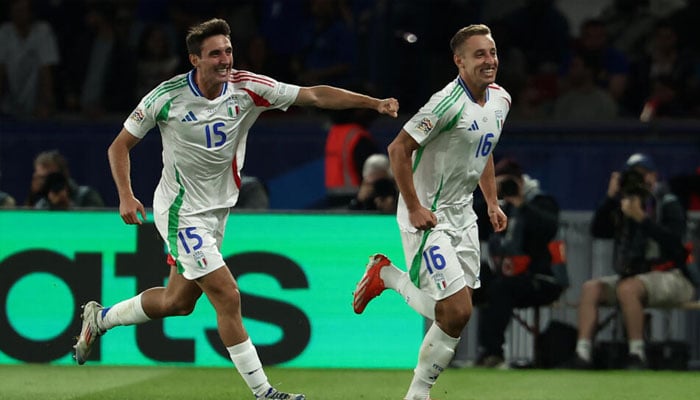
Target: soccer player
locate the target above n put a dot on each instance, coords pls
(438, 158)
(204, 117)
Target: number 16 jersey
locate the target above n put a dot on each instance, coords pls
(456, 136)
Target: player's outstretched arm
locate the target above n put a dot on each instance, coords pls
(331, 97)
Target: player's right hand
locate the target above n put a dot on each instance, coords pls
(422, 219)
(129, 209)
(389, 107)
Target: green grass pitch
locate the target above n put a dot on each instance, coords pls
(38, 382)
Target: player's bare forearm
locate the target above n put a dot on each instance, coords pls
(334, 98)
(120, 162)
(487, 183)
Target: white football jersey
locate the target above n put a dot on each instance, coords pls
(456, 137)
(204, 140)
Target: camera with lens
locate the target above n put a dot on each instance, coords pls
(632, 184)
(508, 187)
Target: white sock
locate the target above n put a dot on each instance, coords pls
(583, 349)
(435, 354)
(127, 312)
(247, 362)
(400, 281)
(636, 347)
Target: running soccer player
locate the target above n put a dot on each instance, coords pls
(204, 117)
(438, 158)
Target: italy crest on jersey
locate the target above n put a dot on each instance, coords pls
(232, 106)
(499, 119)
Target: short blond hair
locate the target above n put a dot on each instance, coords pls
(465, 33)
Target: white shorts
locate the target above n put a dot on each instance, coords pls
(193, 241)
(443, 262)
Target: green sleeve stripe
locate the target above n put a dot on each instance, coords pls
(453, 122)
(449, 126)
(448, 101)
(163, 89)
(163, 113)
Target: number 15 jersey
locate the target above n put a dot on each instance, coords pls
(204, 141)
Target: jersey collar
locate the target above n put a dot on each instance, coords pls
(468, 92)
(193, 85)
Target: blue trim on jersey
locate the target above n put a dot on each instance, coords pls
(192, 84)
(195, 89)
(468, 92)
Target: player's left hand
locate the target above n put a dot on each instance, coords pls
(389, 106)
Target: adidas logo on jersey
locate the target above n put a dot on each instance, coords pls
(474, 126)
(189, 117)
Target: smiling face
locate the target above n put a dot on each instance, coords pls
(213, 64)
(477, 62)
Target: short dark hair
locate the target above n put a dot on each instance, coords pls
(465, 33)
(199, 32)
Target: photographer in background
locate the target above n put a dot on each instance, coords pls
(647, 224)
(520, 271)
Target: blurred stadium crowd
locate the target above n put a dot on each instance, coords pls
(560, 59)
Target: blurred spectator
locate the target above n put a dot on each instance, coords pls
(280, 25)
(376, 176)
(610, 66)
(349, 144)
(687, 188)
(629, 24)
(582, 99)
(156, 61)
(386, 195)
(28, 54)
(253, 194)
(58, 192)
(6, 200)
(541, 31)
(329, 47)
(51, 161)
(519, 273)
(647, 224)
(662, 76)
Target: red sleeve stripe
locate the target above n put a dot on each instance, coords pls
(257, 99)
(242, 76)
